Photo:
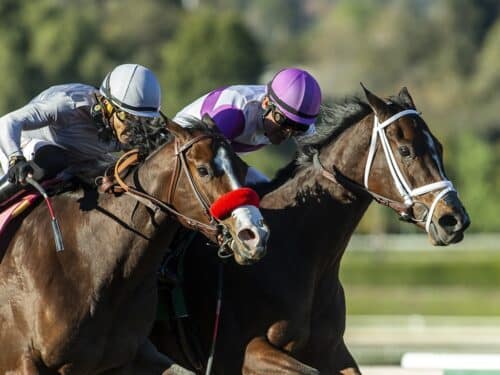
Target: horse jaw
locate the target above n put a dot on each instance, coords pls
(250, 242)
(449, 221)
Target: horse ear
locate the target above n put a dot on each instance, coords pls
(174, 128)
(377, 104)
(406, 98)
(209, 121)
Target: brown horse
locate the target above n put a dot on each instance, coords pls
(286, 314)
(63, 312)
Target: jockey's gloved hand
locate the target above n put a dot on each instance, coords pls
(19, 169)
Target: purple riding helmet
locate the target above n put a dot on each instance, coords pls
(297, 94)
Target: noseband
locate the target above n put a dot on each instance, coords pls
(405, 190)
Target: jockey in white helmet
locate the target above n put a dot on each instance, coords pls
(76, 124)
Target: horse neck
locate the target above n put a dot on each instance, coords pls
(139, 236)
(326, 213)
(348, 152)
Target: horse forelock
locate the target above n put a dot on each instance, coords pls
(192, 124)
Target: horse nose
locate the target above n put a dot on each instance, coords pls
(251, 230)
(255, 240)
(457, 220)
(454, 222)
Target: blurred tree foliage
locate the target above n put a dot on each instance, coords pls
(446, 52)
(209, 50)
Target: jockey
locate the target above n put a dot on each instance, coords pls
(252, 116)
(76, 124)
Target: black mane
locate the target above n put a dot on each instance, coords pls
(331, 122)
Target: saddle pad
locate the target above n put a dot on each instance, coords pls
(15, 209)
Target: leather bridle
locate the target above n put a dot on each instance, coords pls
(131, 158)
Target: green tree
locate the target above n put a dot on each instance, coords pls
(208, 51)
(50, 42)
(476, 173)
(14, 67)
(487, 77)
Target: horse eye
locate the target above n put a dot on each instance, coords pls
(202, 171)
(404, 151)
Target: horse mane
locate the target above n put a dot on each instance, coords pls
(155, 135)
(332, 121)
(192, 123)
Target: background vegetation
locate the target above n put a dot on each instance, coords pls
(446, 52)
(435, 282)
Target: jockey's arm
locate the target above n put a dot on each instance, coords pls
(34, 115)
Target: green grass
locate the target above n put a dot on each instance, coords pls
(437, 283)
(431, 300)
(446, 268)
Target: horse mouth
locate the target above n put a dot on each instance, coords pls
(440, 237)
(245, 256)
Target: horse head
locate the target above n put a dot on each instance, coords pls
(213, 193)
(404, 169)
(385, 148)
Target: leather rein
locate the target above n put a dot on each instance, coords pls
(131, 158)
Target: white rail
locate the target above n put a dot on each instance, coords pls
(419, 242)
(451, 361)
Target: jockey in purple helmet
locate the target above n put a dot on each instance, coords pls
(253, 116)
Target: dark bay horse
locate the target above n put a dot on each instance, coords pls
(286, 314)
(63, 312)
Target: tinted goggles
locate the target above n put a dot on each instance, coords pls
(285, 122)
(131, 120)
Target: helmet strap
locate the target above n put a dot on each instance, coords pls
(101, 114)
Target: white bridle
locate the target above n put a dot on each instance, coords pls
(406, 192)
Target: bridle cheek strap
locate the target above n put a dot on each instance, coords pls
(405, 190)
(228, 202)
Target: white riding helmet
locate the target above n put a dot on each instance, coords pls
(134, 89)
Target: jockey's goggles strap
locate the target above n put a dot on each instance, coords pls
(276, 99)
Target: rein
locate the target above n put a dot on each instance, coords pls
(131, 158)
(404, 188)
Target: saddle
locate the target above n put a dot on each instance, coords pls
(66, 180)
(27, 197)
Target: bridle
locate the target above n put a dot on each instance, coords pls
(405, 190)
(131, 158)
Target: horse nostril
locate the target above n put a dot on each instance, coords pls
(448, 221)
(246, 235)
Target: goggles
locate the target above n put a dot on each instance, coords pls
(295, 127)
(124, 116)
(131, 120)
